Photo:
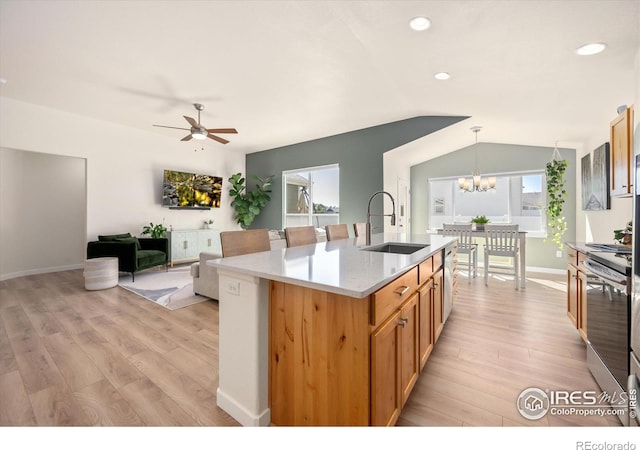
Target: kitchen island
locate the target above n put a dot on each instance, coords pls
(333, 333)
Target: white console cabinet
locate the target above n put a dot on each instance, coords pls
(186, 245)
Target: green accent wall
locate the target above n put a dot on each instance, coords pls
(498, 158)
(359, 155)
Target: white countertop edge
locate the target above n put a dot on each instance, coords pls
(420, 256)
(312, 285)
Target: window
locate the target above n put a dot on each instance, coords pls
(311, 196)
(519, 198)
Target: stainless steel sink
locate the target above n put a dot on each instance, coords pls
(396, 247)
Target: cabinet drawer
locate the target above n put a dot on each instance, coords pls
(425, 270)
(437, 261)
(572, 256)
(581, 257)
(389, 298)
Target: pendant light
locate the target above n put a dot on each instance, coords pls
(477, 183)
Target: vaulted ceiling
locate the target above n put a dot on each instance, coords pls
(283, 72)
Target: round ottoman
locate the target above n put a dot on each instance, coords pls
(100, 273)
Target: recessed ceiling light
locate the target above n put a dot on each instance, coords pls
(420, 23)
(3, 80)
(591, 49)
(441, 76)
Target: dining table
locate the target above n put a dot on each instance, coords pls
(522, 246)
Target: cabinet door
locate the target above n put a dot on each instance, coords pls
(385, 360)
(425, 331)
(621, 151)
(177, 239)
(409, 362)
(582, 304)
(572, 294)
(191, 245)
(209, 241)
(437, 301)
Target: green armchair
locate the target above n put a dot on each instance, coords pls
(134, 254)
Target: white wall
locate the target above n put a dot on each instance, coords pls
(598, 226)
(42, 212)
(124, 167)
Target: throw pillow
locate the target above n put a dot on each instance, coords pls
(113, 237)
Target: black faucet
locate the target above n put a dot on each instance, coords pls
(392, 215)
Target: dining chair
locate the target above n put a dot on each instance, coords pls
(242, 242)
(296, 236)
(360, 229)
(466, 244)
(337, 231)
(501, 241)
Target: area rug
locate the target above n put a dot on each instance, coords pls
(171, 289)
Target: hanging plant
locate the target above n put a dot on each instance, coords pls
(556, 195)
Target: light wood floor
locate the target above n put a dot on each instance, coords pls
(74, 357)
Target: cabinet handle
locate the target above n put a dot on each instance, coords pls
(401, 290)
(403, 321)
(184, 244)
(209, 242)
(434, 287)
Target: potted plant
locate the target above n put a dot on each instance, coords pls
(248, 204)
(154, 231)
(479, 221)
(623, 236)
(556, 194)
(208, 224)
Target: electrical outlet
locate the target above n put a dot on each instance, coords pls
(558, 253)
(233, 287)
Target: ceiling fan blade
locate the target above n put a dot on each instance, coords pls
(177, 128)
(222, 130)
(216, 138)
(186, 138)
(192, 122)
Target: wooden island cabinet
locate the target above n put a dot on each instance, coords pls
(577, 291)
(339, 360)
(330, 334)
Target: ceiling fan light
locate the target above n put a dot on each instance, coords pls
(199, 134)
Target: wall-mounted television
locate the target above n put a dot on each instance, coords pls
(186, 190)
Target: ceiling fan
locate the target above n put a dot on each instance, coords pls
(197, 131)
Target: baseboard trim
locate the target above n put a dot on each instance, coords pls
(547, 270)
(235, 410)
(24, 273)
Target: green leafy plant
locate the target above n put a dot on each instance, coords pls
(248, 204)
(155, 231)
(556, 195)
(480, 219)
(623, 236)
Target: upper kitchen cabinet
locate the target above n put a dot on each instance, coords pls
(621, 153)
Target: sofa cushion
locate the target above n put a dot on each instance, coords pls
(113, 237)
(151, 257)
(130, 239)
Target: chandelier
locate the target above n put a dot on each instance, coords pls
(477, 183)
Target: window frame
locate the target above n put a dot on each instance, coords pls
(310, 214)
(539, 233)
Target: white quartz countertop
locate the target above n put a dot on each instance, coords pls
(340, 266)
